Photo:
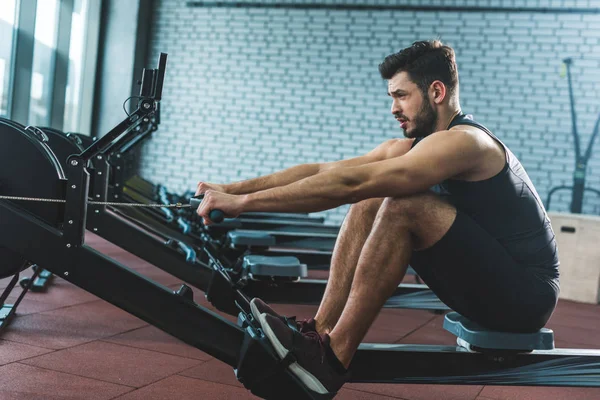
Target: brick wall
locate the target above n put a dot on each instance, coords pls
(252, 91)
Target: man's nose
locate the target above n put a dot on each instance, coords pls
(395, 107)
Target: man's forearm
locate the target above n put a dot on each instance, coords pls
(280, 178)
(323, 191)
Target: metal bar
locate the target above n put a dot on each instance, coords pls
(75, 207)
(149, 248)
(23, 62)
(128, 123)
(588, 151)
(138, 139)
(554, 189)
(160, 76)
(568, 62)
(392, 7)
(427, 364)
(61, 64)
(147, 82)
(117, 284)
(142, 216)
(125, 138)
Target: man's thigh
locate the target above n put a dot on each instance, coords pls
(427, 215)
(473, 274)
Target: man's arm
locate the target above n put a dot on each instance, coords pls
(438, 157)
(388, 149)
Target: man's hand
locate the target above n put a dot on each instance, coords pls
(203, 187)
(230, 204)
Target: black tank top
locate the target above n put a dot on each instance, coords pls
(509, 208)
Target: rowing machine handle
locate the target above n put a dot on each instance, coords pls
(216, 216)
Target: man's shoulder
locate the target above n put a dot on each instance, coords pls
(455, 135)
(397, 147)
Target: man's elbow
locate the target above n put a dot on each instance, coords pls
(396, 184)
(348, 188)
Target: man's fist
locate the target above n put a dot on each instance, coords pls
(202, 187)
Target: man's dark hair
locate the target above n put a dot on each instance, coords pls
(425, 61)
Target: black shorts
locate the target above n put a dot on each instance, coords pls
(475, 276)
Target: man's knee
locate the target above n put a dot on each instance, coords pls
(407, 205)
(415, 207)
(367, 208)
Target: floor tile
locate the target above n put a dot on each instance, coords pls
(152, 338)
(71, 326)
(382, 336)
(563, 344)
(214, 371)
(18, 381)
(184, 388)
(431, 333)
(539, 393)
(585, 336)
(114, 363)
(404, 319)
(420, 392)
(5, 281)
(13, 351)
(58, 294)
(349, 394)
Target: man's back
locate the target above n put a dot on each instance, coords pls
(507, 206)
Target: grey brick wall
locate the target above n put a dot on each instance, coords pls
(252, 91)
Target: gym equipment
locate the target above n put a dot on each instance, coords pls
(581, 160)
(311, 242)
(577, 239)
(51, 234)
(177, 255)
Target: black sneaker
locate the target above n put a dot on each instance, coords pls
(315, 364)
(258, 307)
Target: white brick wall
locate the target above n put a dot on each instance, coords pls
(252, 91)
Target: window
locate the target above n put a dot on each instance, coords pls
(49, 81)
(43, 62)
(7, 31)
(76, 58)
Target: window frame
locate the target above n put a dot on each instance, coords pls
(21, 68)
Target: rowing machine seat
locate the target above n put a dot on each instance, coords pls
(471, 335)
(288, 267)
(250, 238)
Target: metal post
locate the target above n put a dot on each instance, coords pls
(25, 40)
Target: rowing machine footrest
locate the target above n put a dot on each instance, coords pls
(251, 238)
(262, 372)
(274, 266)
(472, 334)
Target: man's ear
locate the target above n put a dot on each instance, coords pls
(438, 92)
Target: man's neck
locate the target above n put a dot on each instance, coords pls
(445, 117)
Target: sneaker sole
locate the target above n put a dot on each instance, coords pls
(255, 313)
(306, 377)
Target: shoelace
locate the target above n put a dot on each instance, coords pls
(307, 323)
(315, 336)
(300, 325)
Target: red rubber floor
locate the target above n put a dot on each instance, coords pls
(68, 344)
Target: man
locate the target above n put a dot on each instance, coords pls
(482, 242)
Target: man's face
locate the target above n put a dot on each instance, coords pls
(412, 110)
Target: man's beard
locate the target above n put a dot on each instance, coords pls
(425, 121)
